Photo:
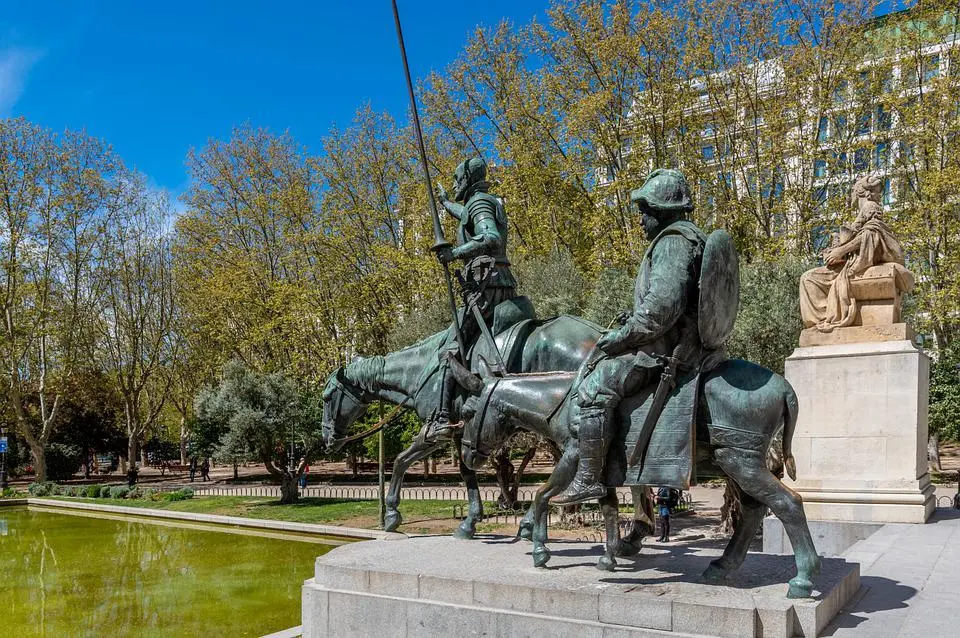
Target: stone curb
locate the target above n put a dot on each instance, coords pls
(13, 501)
(281, 526)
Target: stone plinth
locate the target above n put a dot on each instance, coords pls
(442, 587)
(856, 334)
(861, 438)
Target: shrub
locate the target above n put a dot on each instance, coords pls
(158, 496)
(179, 495)
(134, 493)
(63, 461)
(188, 492)
(119, 491)
(41, 489)
(93, 491)
(105, 491)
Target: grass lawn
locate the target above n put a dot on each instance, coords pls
(419, 516)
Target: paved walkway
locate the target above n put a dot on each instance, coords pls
(911, 577)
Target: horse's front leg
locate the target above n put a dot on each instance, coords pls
(417, 450)
(609, 507)
(468, 527)
(558, 481)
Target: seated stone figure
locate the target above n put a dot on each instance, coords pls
(863, 279)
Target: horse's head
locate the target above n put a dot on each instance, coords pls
(343, 404)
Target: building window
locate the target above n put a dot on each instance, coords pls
(887, 193)
(881, 155)
(708, 152)
(883, 118)
(931, 67)
(820, 196)
(840, 93)
(823, 131)
(840, 125)
(863, 123)
(886, 80)
(840, 162)
(861, 160)
(820, 168)
(819, 239)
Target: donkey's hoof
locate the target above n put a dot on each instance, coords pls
(714, 572)
(392, 521)
(606, 563)
(464, 532)
(628, 549)
(800, 588)
(541, 555)
(525, 532)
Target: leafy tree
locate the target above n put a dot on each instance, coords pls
(263, 416)
(768, 323)
(57, 201)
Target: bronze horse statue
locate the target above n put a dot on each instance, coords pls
(742, 407)
(411, 377)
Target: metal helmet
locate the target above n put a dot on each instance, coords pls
(468, 173)
(665, 191)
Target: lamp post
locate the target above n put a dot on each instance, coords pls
(3, 459)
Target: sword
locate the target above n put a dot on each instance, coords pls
(439, 241)
(667, 383)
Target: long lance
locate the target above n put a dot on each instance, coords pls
(439, 241)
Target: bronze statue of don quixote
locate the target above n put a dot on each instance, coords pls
(637, 405)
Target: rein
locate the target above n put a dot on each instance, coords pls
(376, 428)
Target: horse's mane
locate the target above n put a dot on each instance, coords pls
(365, 371)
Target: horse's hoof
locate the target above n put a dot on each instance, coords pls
(714, 573)
(525, 532)
(541, 555)
(392, 521)
(464, 532)
(625, 549)
(800, 588)
(606, 563)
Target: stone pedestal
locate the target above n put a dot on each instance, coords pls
(861, 438)
(438, 587)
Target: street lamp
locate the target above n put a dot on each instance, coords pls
(3, 459)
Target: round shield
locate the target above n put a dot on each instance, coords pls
(719, 289)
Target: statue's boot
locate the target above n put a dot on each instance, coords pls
(440, 428)
(587, 485)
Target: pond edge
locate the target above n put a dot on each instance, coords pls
(238, 521)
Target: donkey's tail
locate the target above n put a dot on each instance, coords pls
(791, 408)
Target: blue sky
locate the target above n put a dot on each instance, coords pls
(156, 78)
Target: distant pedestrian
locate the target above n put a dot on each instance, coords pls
(667, 499)
(205, 470)
(303, 477)
(193, 468)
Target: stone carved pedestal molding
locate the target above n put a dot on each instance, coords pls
(861, 437)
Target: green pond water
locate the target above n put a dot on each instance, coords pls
(82, 575)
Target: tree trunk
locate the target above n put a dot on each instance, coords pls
(235, 475)
(288, 488)
(426, 468)
(39, 462)
(184, 437)
(731, 511)
(132, 450)
(933, 451)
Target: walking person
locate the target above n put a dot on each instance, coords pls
(193, 468)
(303, 477)
(667, 498)
(205, 470)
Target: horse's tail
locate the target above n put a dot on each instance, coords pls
(791, 408)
